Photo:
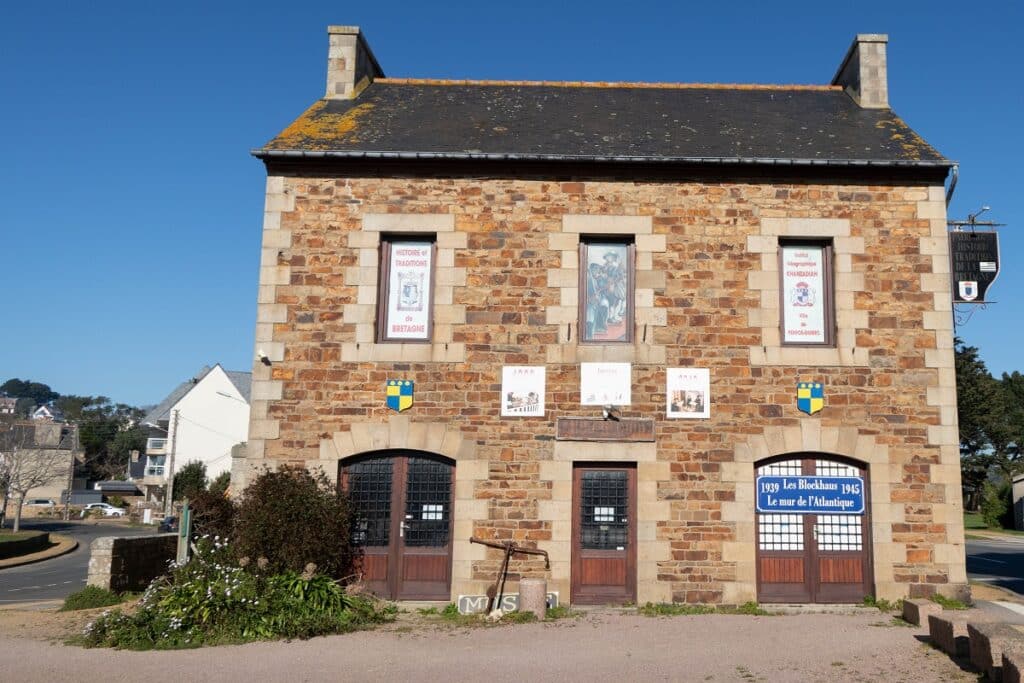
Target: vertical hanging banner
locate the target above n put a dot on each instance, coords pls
(407, 315)
(688, 393)
(522, 391)
(974, 260)
(803, 294)
(603, 384)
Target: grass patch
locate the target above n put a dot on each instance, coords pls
(562, 612)
(974, 520)
(673, 609)
(91, 597)
(949, 603)
(882, 605)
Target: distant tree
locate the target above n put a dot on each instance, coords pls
(38, 392)
(109, 433)
(977, 394)
(23, 407)
(189, 480)
(220, 484)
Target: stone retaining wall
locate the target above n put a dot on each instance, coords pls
(24, 546)
(130, 564)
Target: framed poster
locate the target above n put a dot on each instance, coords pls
(522, 391)
(408, 271)
(804, 296)
(603, 384)
(688, 393)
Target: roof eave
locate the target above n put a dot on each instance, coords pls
(291, 154)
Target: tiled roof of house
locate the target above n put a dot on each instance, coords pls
(605, 122)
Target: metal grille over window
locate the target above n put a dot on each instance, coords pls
(781, 532)
(828, 468)
(839, 532)
(784, 468)
(604, 520)
(369, 487)
(427, 504)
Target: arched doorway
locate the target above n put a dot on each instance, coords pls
(403, 502)
(804, 557)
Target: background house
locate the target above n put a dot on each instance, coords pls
(49, 443)
(201, 420)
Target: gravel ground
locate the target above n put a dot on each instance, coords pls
(868, 646)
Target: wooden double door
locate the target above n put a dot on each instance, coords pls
(403, 502)
(604, 534)
(804, 558)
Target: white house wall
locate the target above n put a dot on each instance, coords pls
(212, 418)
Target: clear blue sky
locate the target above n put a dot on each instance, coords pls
(131, 211)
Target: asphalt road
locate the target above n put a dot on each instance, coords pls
(997, 562)
(57, 578)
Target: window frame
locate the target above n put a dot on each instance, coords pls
(586, 241)
(387, 243)
(828, 285)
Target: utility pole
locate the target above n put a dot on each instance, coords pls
(172, 433)
(71, 472)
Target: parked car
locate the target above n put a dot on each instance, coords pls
(107, 509)
(168, 525)
(40, 503)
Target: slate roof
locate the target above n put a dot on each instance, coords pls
(163, 409)
(241, 380)
(405, 118)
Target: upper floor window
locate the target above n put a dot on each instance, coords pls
(405, 295)
(606, 290)
(807, 299)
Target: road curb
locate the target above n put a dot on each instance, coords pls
(65, 545)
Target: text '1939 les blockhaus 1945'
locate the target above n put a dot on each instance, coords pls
(694, 341)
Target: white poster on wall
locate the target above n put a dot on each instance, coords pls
(803, 294)
(603, 384)
(522, 391)
(408, 308)
(688, 393)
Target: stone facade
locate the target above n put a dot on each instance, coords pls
(707, 295)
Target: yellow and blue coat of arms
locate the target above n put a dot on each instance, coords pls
(399, 394)
(810, 397)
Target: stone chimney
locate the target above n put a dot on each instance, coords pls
(351, 65)
(863, 73)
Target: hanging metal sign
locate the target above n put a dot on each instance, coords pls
(810, 495)
(974, 260)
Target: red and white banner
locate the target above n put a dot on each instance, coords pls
(407, 315)
(803, 295)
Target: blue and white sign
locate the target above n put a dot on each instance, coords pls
(811, 495)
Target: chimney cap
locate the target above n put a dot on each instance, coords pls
(344, 30)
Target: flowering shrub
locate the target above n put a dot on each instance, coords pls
(212, 599)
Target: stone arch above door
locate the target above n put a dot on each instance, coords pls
(399, 432)
(809, 436)
(441, 438)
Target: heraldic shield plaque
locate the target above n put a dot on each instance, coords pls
(810, 397)
(399, 394)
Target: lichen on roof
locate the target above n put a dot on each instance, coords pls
(318, 128)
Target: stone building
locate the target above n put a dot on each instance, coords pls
(589, 317)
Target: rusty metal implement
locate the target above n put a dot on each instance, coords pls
(510, 548)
